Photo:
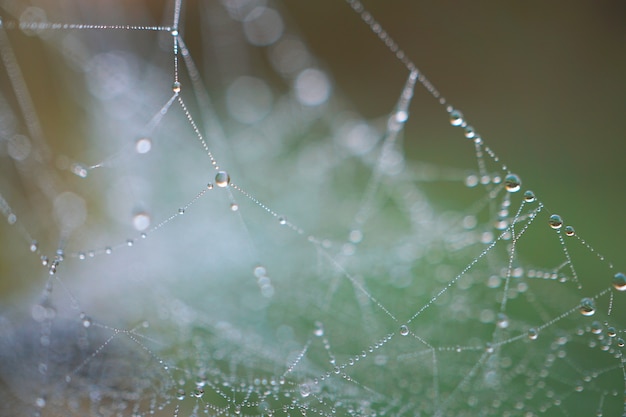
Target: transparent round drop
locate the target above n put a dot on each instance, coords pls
(555, 221)
(587, 307)
(404, 330)
(502, 321)
(305, 390)
(34, 246)
(222, 179)
(456, 118)
(11, 218)
(470, 132)
(174, 32)
(533, 334)
(141, 221)
(512, 183)
(198, 392)
(619, 281)
(176, 87)
(234, 207)
(529, 197)
(180, 395)
(143, 145)
(86, 321)
(569, 231)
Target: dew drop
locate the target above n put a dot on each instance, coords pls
(529, 196)
(555, 221)
(40, 402)
(34, 246)
(234, 206)
(611, 332)
(587, 307)
(180, 395)
(181, 210)
(209, 186)
(176, 87)
(282, 221)
(222, 179)
(82, 256)
(569, 231)
(319, 329)
(305, 390)
(86, 322)
(198, 392)
(108, 250)
(79, 170)
(174, 32)
(512, 183)
(533, 334)
(619, 281)
(404, 330)
(596, 327)
(470, 132)
(620, 342)
(141, 221)
(143, 145)
(456, 118)
(502, 321)
(129, 242)
(11, 218)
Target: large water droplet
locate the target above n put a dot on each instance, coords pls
(141, 221)
(555, 221)
(533, 334)
(404, 330)
(176, 87)
(319, 329)
(512, 183)
(619, 281)
(222, 179)
(143, 145)
(569, 231)
(529, 197)
(587, 307)
(456, 118)
(305, 390)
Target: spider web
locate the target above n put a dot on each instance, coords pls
(202, 219)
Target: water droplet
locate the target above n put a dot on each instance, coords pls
(222, 179)
(620, 342)
(456, 118)
(512, 183)
(502, 321)
(404, 330)
(181, 210)
(533, 334)
(40, 402)
(209, 186)
(141, 221)
(569, 231)
(108, 250)
(587, 307)
(596, 327)
(619, 281)
(174, 32)
(470, 132)
(78, 170)
(319, 329)
(176, 87)
(234, 206)
(555, 221)
(34, 246)
(611, 332)
(305, 390)
(44, 260)
(401, 116)
(129, 242)
(282, 221)
(198, 392)
(82, 256)
(86, 322)
(143, 145)
(529, 196)
(180, 394)
(11, 218)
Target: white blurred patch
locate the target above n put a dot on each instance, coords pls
(109, 75)
(312, 87)
(358, 137)
(249, 99)
(263, 26)
(19, 147)
(289, 56)
(70, 210)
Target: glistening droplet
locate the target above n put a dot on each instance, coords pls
(587, 307)
(222, 179)
(512, 183)
(555, 221)
(456, 118)
(619, 281)
(404, 330)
